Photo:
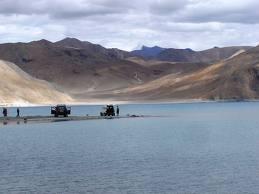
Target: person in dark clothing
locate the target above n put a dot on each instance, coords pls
(117, 111)
(5, 112)
(18, 112)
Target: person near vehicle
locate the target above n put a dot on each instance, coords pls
(18, 112)
(117, 111)
(5, 112)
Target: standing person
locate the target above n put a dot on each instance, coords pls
(5, 112)
(117, 111)
(18, 112)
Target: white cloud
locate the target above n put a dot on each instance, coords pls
(196, 24)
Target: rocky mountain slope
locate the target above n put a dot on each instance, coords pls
(17, 87)
(236, 78)
(75, 66)
(88, 72)
(92, 49)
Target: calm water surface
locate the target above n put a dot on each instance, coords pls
(197, 148)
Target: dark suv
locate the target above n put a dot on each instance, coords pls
(60, 110)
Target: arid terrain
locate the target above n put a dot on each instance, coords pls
(17, 87)
(72, 71)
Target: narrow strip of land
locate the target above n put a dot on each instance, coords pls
(49, 119)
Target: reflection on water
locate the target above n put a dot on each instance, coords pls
(198, 148)
(7, 121)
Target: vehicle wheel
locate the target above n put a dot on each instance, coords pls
(56, 115)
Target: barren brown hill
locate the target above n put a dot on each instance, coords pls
(162, 68)
(234, 79)
(92, 49)
(17, 87)
(76, 69)
(85, 70)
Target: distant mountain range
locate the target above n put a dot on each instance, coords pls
(188, 55)
(148, 52)
(82, 71)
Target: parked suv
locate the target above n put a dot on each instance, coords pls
(60, 110)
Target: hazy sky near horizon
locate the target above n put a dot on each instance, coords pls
(196, 24)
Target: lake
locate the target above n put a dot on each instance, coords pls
(192, 148)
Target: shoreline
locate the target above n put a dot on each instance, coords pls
(192, 101)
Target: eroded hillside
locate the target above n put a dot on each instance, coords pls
(17, 87)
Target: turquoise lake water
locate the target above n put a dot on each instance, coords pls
(193, 148)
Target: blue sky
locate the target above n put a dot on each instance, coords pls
(196, 24)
